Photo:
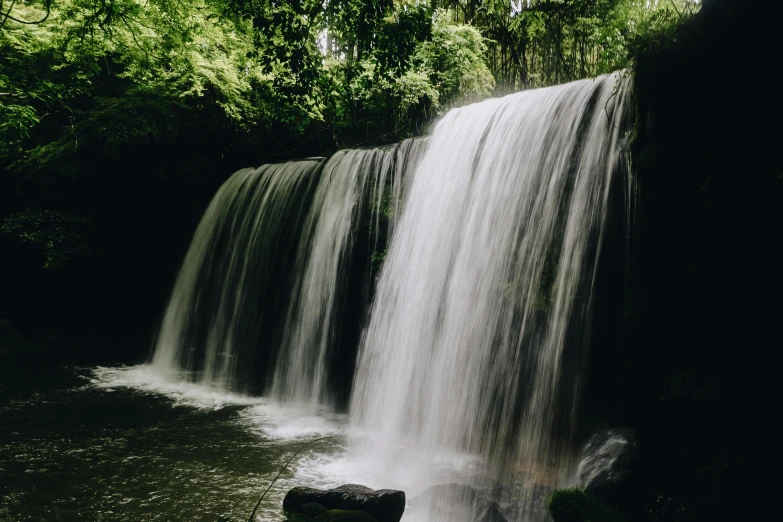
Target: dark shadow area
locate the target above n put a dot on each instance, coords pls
(702, 297)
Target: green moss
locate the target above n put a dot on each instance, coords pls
(574, 505)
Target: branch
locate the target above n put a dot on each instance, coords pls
(675, 9)
(7, 14)
(42, 20)
(301, 448)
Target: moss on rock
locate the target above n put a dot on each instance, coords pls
(574, 505)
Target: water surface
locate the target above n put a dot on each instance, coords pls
(119, 444)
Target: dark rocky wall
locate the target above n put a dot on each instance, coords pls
(689, 373)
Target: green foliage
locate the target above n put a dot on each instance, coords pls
(378, 257)
(98, 80)
(15, 123)
(179, 49)
(291, 64)
(574, 505)
(454, 61)
(544, 42)
(414, 64)
(101, 79)
(60, 235)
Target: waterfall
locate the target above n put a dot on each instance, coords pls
(358, 188)
(484, 240)
(480, 322)
(274, 288)
(214, 324)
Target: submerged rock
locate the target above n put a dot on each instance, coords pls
(445, 496)
(457, 502)
(490, 512)
(350, 502)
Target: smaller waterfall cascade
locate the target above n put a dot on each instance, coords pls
(281, 261)
(358, 191)
(480, 321)
(212, 325)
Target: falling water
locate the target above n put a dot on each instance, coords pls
(359, 189)
(281, 261)
(213, 325)
(480, 321)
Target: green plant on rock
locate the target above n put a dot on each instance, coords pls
(574, 505)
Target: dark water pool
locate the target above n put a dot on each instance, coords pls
(102, 444)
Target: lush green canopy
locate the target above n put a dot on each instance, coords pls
(86, 82)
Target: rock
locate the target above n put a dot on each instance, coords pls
(298, 517)
(313, 509)
(332, 515)
(490, 512)
(384, 505)
(607, 462)
(457, 502)
(445, 496)
(340, 515)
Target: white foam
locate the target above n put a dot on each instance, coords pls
(262, 415)
(291, 422)
(346, 457)
(145, 378)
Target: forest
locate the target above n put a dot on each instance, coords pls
(202, 88)
(120, 120)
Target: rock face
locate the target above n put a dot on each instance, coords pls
(607, 462)
(348, 502)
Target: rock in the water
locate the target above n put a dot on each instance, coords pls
(333, 515)
(445, 496)
(607, 461)
(384, 505)
(340, 515)
(457, 502)
(490, 512)
(298, 517)
(313, 509)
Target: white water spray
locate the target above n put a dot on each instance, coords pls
(479, 325)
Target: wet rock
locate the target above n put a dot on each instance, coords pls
(333, 515)
(445, 496)
(607, 463)
(295, 517)
(340, 515)
(313, 509)
(383, 505)
(490, 512)
(457, 502)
